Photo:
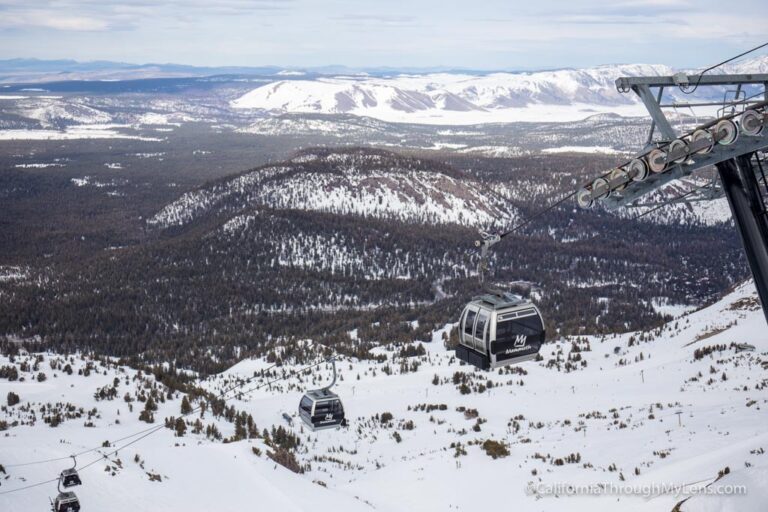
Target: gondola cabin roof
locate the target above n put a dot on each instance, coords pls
(499, 301)
(66, 496)
(321, 394)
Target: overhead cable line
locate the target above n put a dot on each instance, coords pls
(698, 81)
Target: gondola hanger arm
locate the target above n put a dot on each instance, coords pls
(332, 360)
(487, 240)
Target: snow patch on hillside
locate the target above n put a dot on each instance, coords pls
(38, 165)
(52, 112)
(707, 213)
(94, 131)
(10, 273)
(583, 149)
(496, 151)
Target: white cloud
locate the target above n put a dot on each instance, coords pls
(51, 20)
(98, 15)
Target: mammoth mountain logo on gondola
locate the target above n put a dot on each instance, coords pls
(518, 344)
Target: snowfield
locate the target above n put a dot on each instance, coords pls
(676, 406)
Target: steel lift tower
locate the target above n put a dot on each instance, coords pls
(734, 143)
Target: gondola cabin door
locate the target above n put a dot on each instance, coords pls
(475, 329)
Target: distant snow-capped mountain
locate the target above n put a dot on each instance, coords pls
(455, 98)
(364, 182)
(447, 98)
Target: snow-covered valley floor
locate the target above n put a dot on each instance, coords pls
(603, 413)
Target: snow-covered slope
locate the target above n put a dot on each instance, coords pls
(676, 406)
(706, 213)
(162, 473)
(364, 182)
(749, 65)
(55, 111)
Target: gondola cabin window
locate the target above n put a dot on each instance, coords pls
(323, 408)
(482, 321)
(469, 321)
(329, 407)
(529, 325)
(306, 405)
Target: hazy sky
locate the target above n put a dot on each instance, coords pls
(481, 34)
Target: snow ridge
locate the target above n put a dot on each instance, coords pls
(371, 184)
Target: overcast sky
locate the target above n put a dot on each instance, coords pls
(479, 34)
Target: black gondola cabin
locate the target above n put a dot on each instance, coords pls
(498, 330)
(321, 409)
(66, 502)
(69, 478)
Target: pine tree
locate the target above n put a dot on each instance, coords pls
(240, 432)
(146, 416)
(253, 430)
(181, 427)
(186, 408)
(150, 405)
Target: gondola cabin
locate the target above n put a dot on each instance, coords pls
(321, 409)
(69, 478)
(499, 329)
(66, 502)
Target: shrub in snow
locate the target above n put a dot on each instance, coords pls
(9, 372)
(495, 449)
(286, 459)
(13, 399)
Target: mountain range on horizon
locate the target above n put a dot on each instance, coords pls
(429, 96)
(16, 70)
(31, 70)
